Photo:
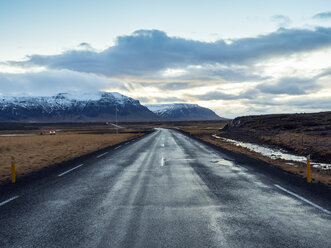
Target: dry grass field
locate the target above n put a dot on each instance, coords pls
(37, 151)
(301, 134)
(204, 131)
(300, 143)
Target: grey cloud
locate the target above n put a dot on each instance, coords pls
(170, 86)
(144, 100)
(281, 20)
(289, 86)
(169, 99)
(52, 82)
(165, 85)
(175, 86)
(324, 73)
(151, 100)
(301, 102)
(149, 51)
(294, 85)
(321, 103)
(286, 85)
(228, 73)
(85, 45)
(323, 15)
(237, 75)
(217, 95)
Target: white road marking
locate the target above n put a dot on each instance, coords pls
(60, 175)
(117, 147)
(101, 155)
(303, 199)
(9, 200)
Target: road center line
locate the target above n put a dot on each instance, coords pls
(303, 199)
(101, 155)
(60, 175)
(9, 200)
(117, 147)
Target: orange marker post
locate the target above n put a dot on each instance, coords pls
(13, 169)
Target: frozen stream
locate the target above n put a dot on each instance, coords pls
(277, 154)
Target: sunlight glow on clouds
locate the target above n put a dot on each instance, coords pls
(168, 73)
(274, 72)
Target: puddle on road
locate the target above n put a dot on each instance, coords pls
(225, 162)
(278, 154)
(228, 163)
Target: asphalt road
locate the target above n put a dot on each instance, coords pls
(164, 190)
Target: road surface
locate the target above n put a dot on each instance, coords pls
(164, 190)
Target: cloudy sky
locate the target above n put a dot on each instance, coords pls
(236, 57)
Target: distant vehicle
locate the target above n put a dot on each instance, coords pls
(52, 132)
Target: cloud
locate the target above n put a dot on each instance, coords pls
(217, 95)
(233, 73)
(281, 20)
(53, 81)
(169, 99)
(294, 85)
(155, 68)
(322, 103)
(289, 86)
(171, 86)
(85, 46)
(175, 86)
(158, 100)
(323, 15)
(302, 103)
(324, 73)
(146, 52)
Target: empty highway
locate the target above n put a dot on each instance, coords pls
(163, 190)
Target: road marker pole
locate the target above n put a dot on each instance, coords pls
(13, 169)
(308, 169)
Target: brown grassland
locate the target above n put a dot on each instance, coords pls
(38, 151)
(74, 140)
(205, 131)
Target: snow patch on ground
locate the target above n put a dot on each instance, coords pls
(277, 154)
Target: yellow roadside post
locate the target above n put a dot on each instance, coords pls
(13, 170)
(308, 170)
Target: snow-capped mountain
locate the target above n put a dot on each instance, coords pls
(180, 111)
(74, 107)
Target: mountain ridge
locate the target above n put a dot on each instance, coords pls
(95, 107)
(183, 111)
(74, 107)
